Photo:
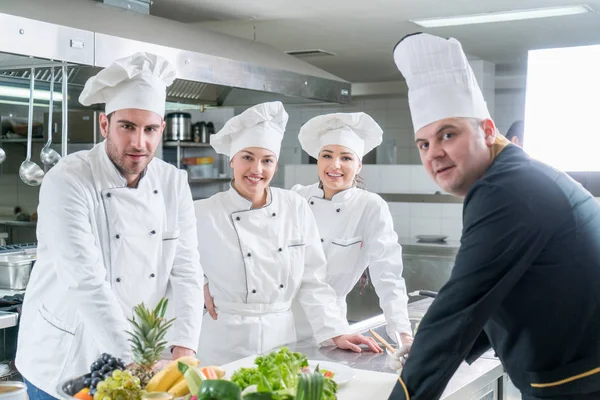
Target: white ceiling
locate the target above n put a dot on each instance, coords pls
(363, 33)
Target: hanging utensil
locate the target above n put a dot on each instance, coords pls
(48, 155)
(30, 172)
(65, 109)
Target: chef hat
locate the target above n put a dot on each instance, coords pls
(356, 131)
(262, 126)
(441, 83)
(138, 81)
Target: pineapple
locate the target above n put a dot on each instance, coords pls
(148, 338)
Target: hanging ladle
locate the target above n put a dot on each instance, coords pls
(48, 155)
(30, 172)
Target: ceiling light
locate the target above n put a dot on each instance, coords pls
(516, 15)
(22, 93)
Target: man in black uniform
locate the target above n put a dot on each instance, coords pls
(527, 275)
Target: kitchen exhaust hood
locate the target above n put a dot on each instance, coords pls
(213, 68)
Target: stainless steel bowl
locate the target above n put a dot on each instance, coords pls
(69, 387)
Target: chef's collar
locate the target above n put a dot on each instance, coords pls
(342, 196)
(242, 203)
(113, 175)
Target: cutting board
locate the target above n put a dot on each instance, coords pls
(368, 385)
(365, 385)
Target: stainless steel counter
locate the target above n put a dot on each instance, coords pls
(484, 379)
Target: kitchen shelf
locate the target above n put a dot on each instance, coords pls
(209, 180)
(185, 144)
(18, 140)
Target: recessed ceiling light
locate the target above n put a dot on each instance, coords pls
(515, 15)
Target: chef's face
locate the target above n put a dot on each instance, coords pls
(337, 166)
(456, 151)
(253, 170)
(132, 137)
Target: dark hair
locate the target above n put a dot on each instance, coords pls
(516, 129)
(109, 116)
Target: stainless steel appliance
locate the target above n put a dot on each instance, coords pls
(179, 127)
(15, 271)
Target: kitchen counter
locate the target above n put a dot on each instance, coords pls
(480, 380)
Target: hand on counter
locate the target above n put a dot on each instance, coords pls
(352, 342)
(398, 359)
(209, 302)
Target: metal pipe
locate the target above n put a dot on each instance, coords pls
(65, 109)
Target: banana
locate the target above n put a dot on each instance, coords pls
(179, 389)
(168, 376)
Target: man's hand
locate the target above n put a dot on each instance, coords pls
(351, 342)
(179, 351)
(209, 303)
(397, 360)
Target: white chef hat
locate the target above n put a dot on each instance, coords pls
(138, 81)
(261, 126)
(441, 83)
(356, 131)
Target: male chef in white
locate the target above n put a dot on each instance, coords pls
(116, 228)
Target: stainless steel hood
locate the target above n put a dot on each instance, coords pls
(212, 68)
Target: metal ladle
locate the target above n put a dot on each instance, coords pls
(48, 155)
(30, 172)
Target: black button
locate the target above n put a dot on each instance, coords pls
(108, 195)
(153, 232)
(254, 291)
(280, 249)
(281, 286)
(249, 255)
(118, 236)
(152, 275)
(322, 240)
(338, 210)
(156, 192)
(237, 219)
(312, 203)
(274, 214)
(118, 279)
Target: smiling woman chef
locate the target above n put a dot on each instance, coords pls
(356, 226)
(260, 249)
(116, 227)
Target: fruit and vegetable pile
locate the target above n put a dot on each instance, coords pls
(279, 375)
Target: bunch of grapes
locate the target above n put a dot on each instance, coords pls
(102, 369)
(121, 385)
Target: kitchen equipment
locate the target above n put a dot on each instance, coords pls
(204, 133)
(211, 128)
(65, 110)
(432, 238)
(382, 340)
(196, 132)
(15, 271)
(424, 293)
(48, 155)
(2, 155)
(342, 374)
(179, 127)
(13, 390)
(30, 172)
(201, 171)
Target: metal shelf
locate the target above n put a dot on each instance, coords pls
(18, 140)
(185, 144)
(209, 180)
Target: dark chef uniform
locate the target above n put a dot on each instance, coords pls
(526, 282)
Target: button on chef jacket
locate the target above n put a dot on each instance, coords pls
(256, 261)
(357, 231)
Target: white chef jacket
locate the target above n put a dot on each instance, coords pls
(357, 231)
(256, 262)
(102, 249)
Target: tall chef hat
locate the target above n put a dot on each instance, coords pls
(441, 83)
(139, 81)
(356, 131)
(261, 126)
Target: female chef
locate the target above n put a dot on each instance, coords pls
(260, 249)
(355, 226)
